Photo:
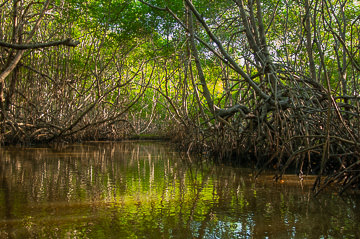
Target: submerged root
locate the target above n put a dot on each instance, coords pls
(309, 137)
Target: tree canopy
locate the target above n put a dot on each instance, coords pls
(273, 82)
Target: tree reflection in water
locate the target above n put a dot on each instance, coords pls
(145, 190)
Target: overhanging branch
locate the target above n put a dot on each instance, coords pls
(67, 42)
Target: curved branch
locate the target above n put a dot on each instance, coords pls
(225, 53)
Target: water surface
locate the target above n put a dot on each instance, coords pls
(147, 190)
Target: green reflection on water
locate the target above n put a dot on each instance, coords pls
(145, 190)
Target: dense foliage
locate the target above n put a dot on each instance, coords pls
(273, 82)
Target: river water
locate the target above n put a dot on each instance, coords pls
(148, 190)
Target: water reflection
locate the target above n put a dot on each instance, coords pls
(145, 190)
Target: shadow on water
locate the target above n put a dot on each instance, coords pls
(146, 190)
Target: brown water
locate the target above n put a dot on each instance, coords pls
(147, 190)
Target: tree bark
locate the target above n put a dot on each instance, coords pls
(201, 75)
(309, 41)
(66, 42)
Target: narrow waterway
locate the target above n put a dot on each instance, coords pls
(148, 190)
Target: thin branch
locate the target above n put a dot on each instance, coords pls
(225, 53)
